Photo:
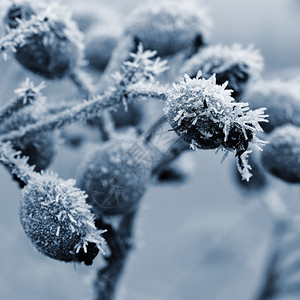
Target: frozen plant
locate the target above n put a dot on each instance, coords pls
(203, 110)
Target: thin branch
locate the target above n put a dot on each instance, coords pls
(80, 112)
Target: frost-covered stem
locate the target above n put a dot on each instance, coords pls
(14, 163)
(177, 148)
(13, 107)
(82, 82)
(148, 135)
(80, 112)
(120, 244)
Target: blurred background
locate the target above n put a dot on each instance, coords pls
(201, 240)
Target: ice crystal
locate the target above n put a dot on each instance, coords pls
(15, 163)
(205, 115)
(143, 68)
(235, 64)
(29, 92)
(57, 219)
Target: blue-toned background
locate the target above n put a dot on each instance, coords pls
(202, 240)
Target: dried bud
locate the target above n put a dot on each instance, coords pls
(56, 218)
(114, 177)
(207, 117)
(281, 100)
(281, 157)
(46, 44)
(234, 64)
(169, 28)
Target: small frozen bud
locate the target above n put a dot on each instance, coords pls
(57, 219)
(168, 27)
(47, 44)
(207, 117)
(99, 48)
(234, 64)
(258, 180)
(281, 157)
(39, 148)
(132, 116)
(114, 175)
(281, 99)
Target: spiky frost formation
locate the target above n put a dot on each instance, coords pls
(57, 219)
(115, 177)
(235, 64)
(281, 157)
(281, 98)
(169, 27)
(207, 117)
(39, 148)
(258, 180)
(44, 40)
(99, 48)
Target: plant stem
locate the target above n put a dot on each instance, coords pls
(120, 244)
(80, 112)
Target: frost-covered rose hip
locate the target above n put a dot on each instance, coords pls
(57, 219)
(169, 28)
(281, 157)
(234, 64)
(207, 117)
(115, 177)
(51, 46)
(281, 98)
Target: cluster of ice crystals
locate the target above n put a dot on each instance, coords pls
(29, 92)
(143, 69)
(205, 115)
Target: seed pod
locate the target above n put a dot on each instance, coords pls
(99, 48)
(115, 177)
(51, 53)
(169, 28)
(57, 219)
(207, 117)
(234, 64)
(281, 157)
(281, 100)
